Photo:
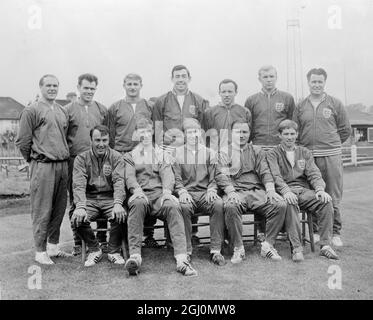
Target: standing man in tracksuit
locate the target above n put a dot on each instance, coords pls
(151, 182)
(98, 186)
(219, 119)
(171, 109)
(123, 115)
(323, 127)
(42, 142)
(299, 181)
(84, 113)
(268, 108)
(196, 168)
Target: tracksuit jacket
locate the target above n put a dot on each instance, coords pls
(199, 175)
(151, 178)
(305, 173)
(122, 123)
(42, 133)
(82, 118)
(92, 181)
(168, 111)
(252, 171)
(267, 111)
(221, 117)
(322, 130)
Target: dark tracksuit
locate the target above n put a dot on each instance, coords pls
(151, 175)
(219, 120)
(267, 111)
(304, 179)
(168, 115)
(42, 142)
(249, 173)
(98, 184)
(323, 130)
(195, 172)
(82, 118)
(122, 123)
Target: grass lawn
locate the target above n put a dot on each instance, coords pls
(255, 278)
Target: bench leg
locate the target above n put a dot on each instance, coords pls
(310, 231)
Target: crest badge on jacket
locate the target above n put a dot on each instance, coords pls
(326, 112)
(279, 106)
(301, 164)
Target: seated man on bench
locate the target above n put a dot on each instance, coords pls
(299, 181)
(98, 187)
(195, 168)
(150, 180)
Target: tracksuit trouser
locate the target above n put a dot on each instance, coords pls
(323, 211)
(103, 209)
(254, 200)
(215, 210)
(48, 195)
(169, 212)
(101, 224)
(331, 168)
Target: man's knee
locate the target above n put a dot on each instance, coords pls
(231, 210)
(186, 209)
(138, 203)
(218, 206)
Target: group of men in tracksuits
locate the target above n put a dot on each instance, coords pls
(178, 157)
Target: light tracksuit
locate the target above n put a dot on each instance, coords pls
(147, 172)
(304, 180)
(195, 170)
(42, 142)
(323, 130)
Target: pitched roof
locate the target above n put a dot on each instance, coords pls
(10, 109)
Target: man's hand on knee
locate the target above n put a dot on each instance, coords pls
(79, 216)
(185, 197)
(273, 196)
(323, 196)
(168, 196)
(234, 197)
(119, 213)
(291, 198)
(211, 195)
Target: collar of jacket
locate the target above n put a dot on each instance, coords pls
(175, 93)
(43, 101)
(95, 156)
(282, 148)
(244, 148)
(81, 103)
(221, 104)
(272, 93)
(126, 100)
(324, 96)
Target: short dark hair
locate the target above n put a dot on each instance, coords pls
(317, 71)
(143, 122)
(41, 81)
(229, 81)
(104, 130)
(179, 67)
(287, 124)
(89, 77)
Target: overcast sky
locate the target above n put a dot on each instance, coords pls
(216, 39)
